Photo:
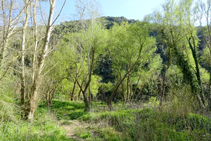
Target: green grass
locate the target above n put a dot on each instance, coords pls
(148, 124)
(125, 124)
(70, 110)
(133, 124)
(42, 128)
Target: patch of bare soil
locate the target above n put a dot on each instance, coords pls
(71, 127)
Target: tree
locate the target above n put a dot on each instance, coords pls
(37, 56)
(202, 13)
(34, 95)
(11, 16)
(126, 46)
(89, 43)
(176, 28)
(89, 40)
(23, 58)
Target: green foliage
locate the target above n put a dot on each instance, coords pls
(204, 58)
(110, 21)
(107, 87)
(188, 74)
(153, 101)
(128, 41)
(95, 84)
(133, 50)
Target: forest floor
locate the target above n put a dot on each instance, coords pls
(137, 121)
(71, 126)
(67, 121)
(68, 117)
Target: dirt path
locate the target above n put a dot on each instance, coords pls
(70, 128)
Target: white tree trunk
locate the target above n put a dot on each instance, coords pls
(35, 41)
(23, 62)
(33, 101)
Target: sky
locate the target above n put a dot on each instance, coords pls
(131, 9)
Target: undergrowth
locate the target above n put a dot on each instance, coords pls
(42, 128)
(130, 123)
(134, 124)
(149, 124)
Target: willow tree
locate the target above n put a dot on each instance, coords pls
(177, 31)
(202, 14)
(90, 44)
(129, 44)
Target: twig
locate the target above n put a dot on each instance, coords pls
(51, 68)
(59, 13)
(4, 73)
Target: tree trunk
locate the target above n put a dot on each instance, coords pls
(209, 85)
(134, 92)
(90, 97)
(50, 95)
(33, 101)
(88, 82)
(123, 96)
(163, 89)
(49, 102)
(87, 108)
(79, 94)
(128, 80)
(193, 50)
(35, 41)
(23, 64)
(73, 89)
(130, 90)
(164, 79)
(32, 107)
(47, 97)
(109, 105)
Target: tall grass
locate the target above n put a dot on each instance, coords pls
(44, 127)
(177, 120)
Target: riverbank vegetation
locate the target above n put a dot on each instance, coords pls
(118, 79)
